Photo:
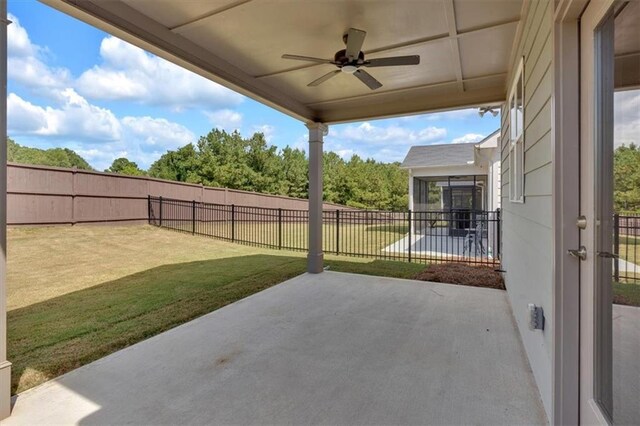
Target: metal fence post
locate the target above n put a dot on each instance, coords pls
(409, 222)
(498, 253)
(193, 217)
(149, 209)
(280, 229)
(160, 211)
(337, 231)
(233, 222)
(616, 246)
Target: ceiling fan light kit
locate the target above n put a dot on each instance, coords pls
(351, 59)
(349, 69)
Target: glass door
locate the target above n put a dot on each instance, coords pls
(609, 327)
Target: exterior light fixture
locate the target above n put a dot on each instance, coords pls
(349, 69)
(483, 110)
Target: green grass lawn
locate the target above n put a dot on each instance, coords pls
(366, 239)
(76, 294)
(627, 293)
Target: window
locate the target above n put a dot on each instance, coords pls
(516, 137)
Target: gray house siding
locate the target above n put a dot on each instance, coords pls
(527, 227)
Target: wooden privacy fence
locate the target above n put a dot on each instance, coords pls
(39, 195)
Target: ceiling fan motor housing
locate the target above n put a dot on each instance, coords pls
(341, 59)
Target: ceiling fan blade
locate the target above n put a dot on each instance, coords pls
(355, 39)
(307, 58)
(368, 79)
(393, 61)
(324, 78)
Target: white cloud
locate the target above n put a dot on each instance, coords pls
(74, 118)
(157, 133)
(367, 132)
(25, 63)
(383, 143)
(468, 138)
(18, 42)
(225, 119)
(101, 158)
(131, 74)
(267, 130)
(127, 73)
(627, 118)
(96, 133)
(345, 154)
(24, 117)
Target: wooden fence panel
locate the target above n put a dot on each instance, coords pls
(40, 195)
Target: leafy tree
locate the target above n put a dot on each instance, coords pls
(57, 157)
(125, 167)
(295, 173)
(626, 173)
(335, 179)
(265, 165)
(223, 160)
(181, 165)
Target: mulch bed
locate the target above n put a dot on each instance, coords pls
(459, 273)
(621, 300)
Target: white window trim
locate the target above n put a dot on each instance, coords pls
(516, 145)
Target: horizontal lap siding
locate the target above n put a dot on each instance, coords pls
(527, 228)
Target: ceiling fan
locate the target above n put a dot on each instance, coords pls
(351, 59)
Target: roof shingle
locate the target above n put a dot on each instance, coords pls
(439, 155)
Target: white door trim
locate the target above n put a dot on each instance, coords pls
(566, 209)
(591, 412)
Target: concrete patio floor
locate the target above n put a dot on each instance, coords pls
(332, 348)
(626, 364)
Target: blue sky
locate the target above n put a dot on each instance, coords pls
(71, 85)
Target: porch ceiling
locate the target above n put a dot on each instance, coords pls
(465, 47)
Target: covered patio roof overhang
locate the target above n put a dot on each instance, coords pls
(464, 45)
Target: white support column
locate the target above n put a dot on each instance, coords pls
(410, 189)
(315, 258)
(5, 366)
(411, 201)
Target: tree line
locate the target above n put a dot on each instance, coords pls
(56, 157)
(626, 172)
(228, 160)
(231, 161)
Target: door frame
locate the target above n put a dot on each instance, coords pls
(566, 209)
(593, 312)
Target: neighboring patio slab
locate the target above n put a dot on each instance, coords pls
(442, 246)
(331, 348)
(626, 364)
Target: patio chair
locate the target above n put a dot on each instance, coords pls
(473, 237)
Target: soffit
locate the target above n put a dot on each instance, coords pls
(464, 47)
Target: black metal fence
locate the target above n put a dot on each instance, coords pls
(426, 237)
(626, 246)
